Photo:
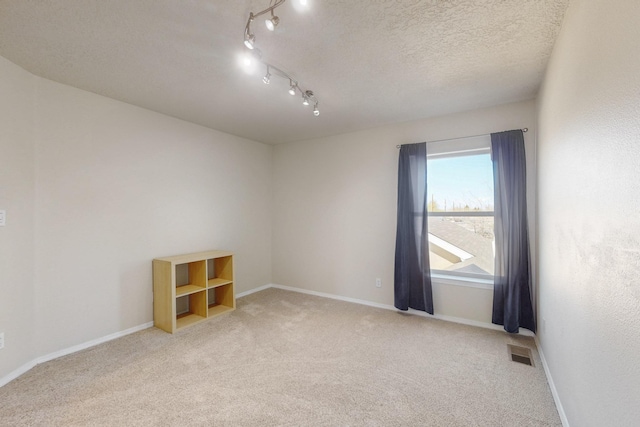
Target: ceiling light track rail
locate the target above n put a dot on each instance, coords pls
(267, 10)
(308, 97)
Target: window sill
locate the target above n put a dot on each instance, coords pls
(469, 282)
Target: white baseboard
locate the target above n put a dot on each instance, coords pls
(390, 307)
(333, 296)
(552, 386)
(253, 291)
(51, 356)
(16, 373)
(56, 354)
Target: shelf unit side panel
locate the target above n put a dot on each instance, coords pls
(163, 296)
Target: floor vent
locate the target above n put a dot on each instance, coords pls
(520, 354)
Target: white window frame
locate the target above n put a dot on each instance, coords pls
(459, 148)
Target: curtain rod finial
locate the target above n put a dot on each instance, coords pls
(525, 130)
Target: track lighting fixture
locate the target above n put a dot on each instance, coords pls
(250, 39)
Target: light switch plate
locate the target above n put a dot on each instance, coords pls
(3, 218)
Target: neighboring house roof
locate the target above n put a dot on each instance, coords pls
(461, 236)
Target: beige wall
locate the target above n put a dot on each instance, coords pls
(115, 186)
(335, 208)
(17, 193)
(589, 213)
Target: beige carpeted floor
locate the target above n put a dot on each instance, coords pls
(288, 359)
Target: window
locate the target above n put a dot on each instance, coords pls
(460, 208)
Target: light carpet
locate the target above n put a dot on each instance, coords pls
(289, 359)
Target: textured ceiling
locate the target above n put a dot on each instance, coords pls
(369, 62)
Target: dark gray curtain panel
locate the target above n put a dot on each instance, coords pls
(412, 282)
(512, 287)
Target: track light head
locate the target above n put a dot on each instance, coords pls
(249, 41)
(267, 77)
(305, 97)
(316, 112)
(292, 88)
(272, 22)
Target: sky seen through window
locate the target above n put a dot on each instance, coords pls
(455, 183)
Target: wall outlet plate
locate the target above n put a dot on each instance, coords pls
(3, 218)
(2, 340)
(378, 283)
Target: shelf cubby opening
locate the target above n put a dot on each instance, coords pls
(220, 268)
(220, 299)
(190, 277)
(191, 308)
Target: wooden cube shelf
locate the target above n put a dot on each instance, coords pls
(188, 289)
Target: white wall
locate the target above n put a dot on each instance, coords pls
(334, 214)
(17, 192)
(115, 186)
(589, 213)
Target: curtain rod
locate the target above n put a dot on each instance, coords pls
(462, 137)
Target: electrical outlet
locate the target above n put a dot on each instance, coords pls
(378, 283)
(2, 340)
(3, 218)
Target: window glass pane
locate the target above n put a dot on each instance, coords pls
(460, 183)
(459, 243)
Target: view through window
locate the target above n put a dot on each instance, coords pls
(460, 209)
